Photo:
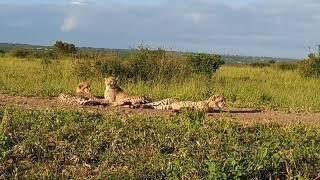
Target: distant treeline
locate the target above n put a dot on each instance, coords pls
(146, 63)
(228, 59)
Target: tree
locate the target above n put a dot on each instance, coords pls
(64, 48)
(203, 63)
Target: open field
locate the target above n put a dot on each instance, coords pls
(247, 87)
(269, 129)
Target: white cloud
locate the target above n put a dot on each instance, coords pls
(268, 28)
(69, 24)
(79, 2)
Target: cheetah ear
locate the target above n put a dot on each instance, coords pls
(81, 85)
(214, 97)
(117, 79)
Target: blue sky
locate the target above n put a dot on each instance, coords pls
(246, 27)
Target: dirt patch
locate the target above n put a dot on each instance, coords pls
(246, 116)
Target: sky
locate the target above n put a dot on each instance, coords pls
(276, 28)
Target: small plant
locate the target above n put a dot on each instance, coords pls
(232, 98)
(265, 99)
(195, 117)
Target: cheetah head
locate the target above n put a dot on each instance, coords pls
(217, 101)
(111, 81)
(83, 87)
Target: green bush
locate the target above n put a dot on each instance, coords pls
(260, 64)
(284, 66)
(147, 65)
(204, 63)
(21, 53)
(310, 67)
(64, 48)
(2, 52)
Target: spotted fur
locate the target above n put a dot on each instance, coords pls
(114, 94)
(162, 104)
(207, 105)
(76, 100)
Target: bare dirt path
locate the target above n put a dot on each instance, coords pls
(246, 116)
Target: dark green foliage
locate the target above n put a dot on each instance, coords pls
(2, 52)
(260, 64)
(204, 63)
(145, 64)
(271, 61)
(310, 67)
(286, 66)
(64, 48)
(34, 54)
(73, 145)
(21, 53)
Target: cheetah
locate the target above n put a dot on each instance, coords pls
(162, 104)
(208, 105)
(114, 94)
(82, 97)
(83, 90)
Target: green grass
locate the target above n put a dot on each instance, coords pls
(65, 144)
(267, 88)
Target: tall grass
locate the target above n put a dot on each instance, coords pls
(268, 88)
(73, 145)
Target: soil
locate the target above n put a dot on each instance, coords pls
(245, 116)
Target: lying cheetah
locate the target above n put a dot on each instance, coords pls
(163, 104)
(83, 97)
(215, 101)
(76, 100)
(83, 90)
(114, 94)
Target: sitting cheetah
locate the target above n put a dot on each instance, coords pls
(215, 101)
(114, 94)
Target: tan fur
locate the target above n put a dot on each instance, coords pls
(83, 90)
(162, 104)
(83, 97)
(207, 105)
(114, 94)
(77, 100)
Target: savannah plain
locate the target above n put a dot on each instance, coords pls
(269, 128)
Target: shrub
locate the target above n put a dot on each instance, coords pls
(20, 53)
(64, 48)
(310, 67)
(2, 52)
(284, 66)
(48, 54)
(260, 64)
(141, 64)
(204, 63)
